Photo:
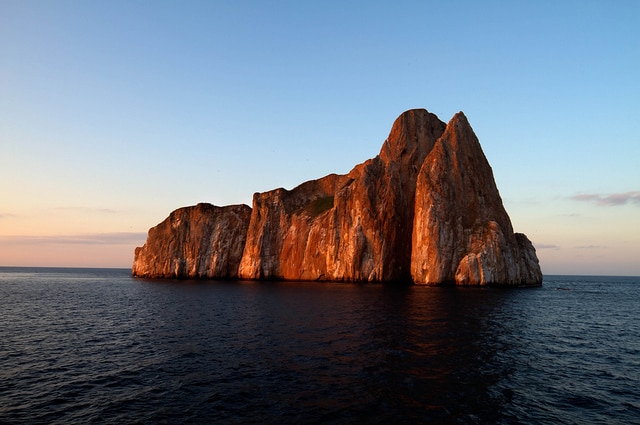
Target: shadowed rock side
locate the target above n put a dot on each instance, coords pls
(203, 241)
(426, 209)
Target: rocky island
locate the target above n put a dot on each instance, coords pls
(425, 210)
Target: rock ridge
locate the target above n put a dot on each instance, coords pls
(425, 210)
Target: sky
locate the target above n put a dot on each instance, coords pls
(114, 113)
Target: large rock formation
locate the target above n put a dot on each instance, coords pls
(426, 209)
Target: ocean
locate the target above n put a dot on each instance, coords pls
(97, 346)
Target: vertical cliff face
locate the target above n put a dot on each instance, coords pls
(281, 231)
(374, 213)
(195, 242)
(426, 209)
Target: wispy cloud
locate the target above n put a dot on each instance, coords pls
(545, 246)
(589, 247)
(612, 199)
(113, 238)
(6, 215)
(88, 210)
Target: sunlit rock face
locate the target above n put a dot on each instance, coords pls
(355, 227)
(425, 210)
(203, 241)
(289, 231)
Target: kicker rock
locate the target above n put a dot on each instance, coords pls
(203, 241)
(426, 209)
(461, 231)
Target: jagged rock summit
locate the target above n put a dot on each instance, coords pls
(425, 210)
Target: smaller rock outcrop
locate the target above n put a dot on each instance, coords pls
(202, 241)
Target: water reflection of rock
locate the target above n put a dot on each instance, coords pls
(438, 353)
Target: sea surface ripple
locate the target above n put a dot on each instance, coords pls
(97, 346)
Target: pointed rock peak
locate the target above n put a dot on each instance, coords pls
(460, 116)
(460, 134)
(458, 122)
(415, 129)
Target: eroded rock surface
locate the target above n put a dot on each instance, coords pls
(202, 241)
(426, 209)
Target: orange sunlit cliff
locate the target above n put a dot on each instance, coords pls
(425, 210)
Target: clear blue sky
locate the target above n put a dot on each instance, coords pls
(114, 113)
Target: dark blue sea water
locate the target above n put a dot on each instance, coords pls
(96, 346)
